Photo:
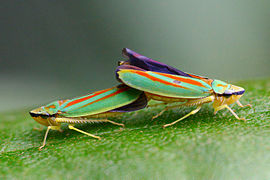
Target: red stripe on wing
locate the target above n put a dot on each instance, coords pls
(110, 95)
(60, 102)
(185, 80)
(86, 98)
(142, 73)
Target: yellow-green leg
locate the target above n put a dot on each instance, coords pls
(112, 122)
(195, 102)
(227, 107)
(156, 104)
(191, 113)
(46, 134)
(71, 126)
(78, 120)
(247, 105)
(165, 109)
(235, 115)
(241, 105)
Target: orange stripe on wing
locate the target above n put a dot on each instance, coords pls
(195, 76)
(189, 81)
(51, 106)
(60, 102)
(110, 95)
(142, 73)
(204, 79)
(87, 97)
(224, 86)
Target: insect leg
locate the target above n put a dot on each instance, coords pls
(191, 113)
(165, 109)
(235, 115)
(195, 102)
(156, 104)
(241, 105)
(74, 120)
(71, 126)
(46, 134)
(45, 137)
(38, 129)
(115, 123)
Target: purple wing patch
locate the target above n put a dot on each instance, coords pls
(148, 64)
(140, 103)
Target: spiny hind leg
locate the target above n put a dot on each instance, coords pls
(191, 113)
(104, 120)
(112, 122)
(71, 126)
(78, 120)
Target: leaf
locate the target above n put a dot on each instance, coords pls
(203, 146)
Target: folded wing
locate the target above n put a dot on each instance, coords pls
(164, 84)
(102, 101)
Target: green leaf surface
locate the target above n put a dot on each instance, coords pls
(202, 146)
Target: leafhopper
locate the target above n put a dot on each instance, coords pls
(91, 108)
(167, 84)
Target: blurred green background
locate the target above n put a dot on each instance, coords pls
(58, 49)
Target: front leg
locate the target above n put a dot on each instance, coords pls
(241, 105)
(46, 134)
(235, 115)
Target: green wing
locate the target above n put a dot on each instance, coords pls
(165, 84)
(99, 102)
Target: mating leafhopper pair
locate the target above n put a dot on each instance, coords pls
(142, 79)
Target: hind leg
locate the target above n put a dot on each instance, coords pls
(195, 102)
(71, 126)
(191, 113)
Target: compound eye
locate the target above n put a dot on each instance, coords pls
(227, 93)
